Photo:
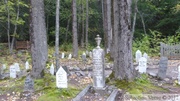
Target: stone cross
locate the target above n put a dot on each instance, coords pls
(162, 67)
(52, 69)
(98, 66)
(179, 74)
(62, 56)
(138, 55)
(17, 67)
(70, 56)
(145, 55)
(142, 65)
(27, 65)
(61, 78)
(29, 84)
(12, 70)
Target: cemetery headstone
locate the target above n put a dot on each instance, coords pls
(142, 65)
(145, 55)
(98, 66)
(87, 52)
(4, 66)
(52, 69)
(138, 55)
(84, 57)
(90, 54)
(179, 75)
(61, 78)
(162, 67)
(27, 65)
(29, 84)
(70, 56)
(62, 56)
(17, 67)
(12, 70)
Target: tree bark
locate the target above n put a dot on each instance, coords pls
(74, 30)
(87, 22)
(57, 35)
(82, 36)
(123, 62)
(39, 49)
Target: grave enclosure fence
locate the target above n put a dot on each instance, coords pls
(171, 51)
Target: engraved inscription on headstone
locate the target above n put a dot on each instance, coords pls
(29, 84)
(12, 70)
(138, 55)
(27, 65)
(61, 78)
(162, 67)
(142, 65)
(98, 66)
(52, 69)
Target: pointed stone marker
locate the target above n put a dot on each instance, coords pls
(12, 70)
(27, 65)
(62, 56)
(145, 55)
(17, 67)
(61, 78)
(70, 56)
(138, 55)
(52, 69)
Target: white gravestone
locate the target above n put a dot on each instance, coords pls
(70, 56)
(62, 56)
(145, 55)
(90, 54)
(142, 65)
(84, 56)
(12, 70)
(52, 69)
(17, 67)
(27, 65)
(98, 66)
(61, 78)
(179, 75)
(138, 55)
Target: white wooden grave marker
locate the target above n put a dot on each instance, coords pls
(138, 55)
(145, 55)
(27, 65)
(142, 65)
(52, 69)
(61, 78)
(12, 70)
(70, 56)
(62, 56)
(17, 67)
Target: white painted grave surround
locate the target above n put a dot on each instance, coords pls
(145, 55)
(179, 74)
(70, 56)
(62, 56)
(12, 70)
(142, 65)
(138, 55)
(98, 66)
(52, 69)
(61, 78)
(17, 67)
(27, 65)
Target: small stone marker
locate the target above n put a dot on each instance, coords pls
(12, 70)
(52, 69)
(29, 84)
(17, 67)
(162, 67)
(62, 56)
(27, 65)
(70, 56)
(84, 56)
(145, 55)
(179, 75)
(138, 55)
(90, 54)
(142, 65)
(98, 66)
(61, 78)
(4, 67)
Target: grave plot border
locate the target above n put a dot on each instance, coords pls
(171, 51)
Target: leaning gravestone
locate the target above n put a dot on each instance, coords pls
(52, 69)
(162, 67)
(29, 84)
(17, 67)
(142, 65)
(98, 66)
(12, 70)
(27, 65)
(61, 78)
(179, 74)
(138, 55)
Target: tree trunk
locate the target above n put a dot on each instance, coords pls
(123, 62)
(67, 29)
(105, 24)
(39, 49)
(74, 30)
(57, 35)
(82, 38)
(87, 22)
